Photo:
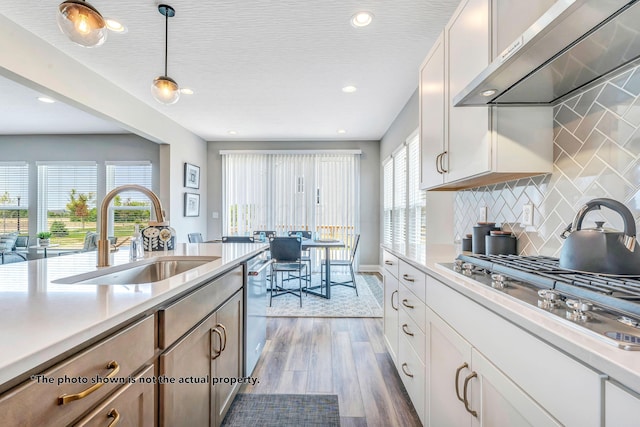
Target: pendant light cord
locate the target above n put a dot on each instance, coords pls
(166, 40)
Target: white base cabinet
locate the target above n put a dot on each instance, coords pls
(468, 390)
(390, 319)
(621, 406)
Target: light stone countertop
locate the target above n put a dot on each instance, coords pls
(40, 320)
(620, 365)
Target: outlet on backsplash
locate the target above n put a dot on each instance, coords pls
(527, 215)
(482, 214)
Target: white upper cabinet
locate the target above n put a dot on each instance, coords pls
(432, 106)
(464, 147)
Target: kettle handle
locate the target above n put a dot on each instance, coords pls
(625, 213)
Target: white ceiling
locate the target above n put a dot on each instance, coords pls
(269, 70)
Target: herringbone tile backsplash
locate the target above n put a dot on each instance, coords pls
(596, 154)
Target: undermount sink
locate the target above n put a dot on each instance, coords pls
(140, 272)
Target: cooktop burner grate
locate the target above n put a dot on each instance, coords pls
(618, 292)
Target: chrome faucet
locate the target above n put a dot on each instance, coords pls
(103, 242)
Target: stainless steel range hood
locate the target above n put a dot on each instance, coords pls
(573, 45)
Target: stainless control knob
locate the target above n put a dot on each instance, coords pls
(579, 305)
(467, 268)
(498, 281)
(550, 299)
(578, 310)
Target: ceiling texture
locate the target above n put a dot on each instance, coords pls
(266, 69)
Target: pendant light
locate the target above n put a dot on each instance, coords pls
(164, 89)
(82, 23)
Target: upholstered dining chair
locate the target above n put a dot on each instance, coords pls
(257, 235)
(195, 238)
(286, 254)
(345, 263)
(237, 239)
(306, 253)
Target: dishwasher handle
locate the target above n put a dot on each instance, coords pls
(257, 271)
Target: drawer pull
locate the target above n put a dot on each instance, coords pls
(405, 330)
(464, 365)
(387, 262)
(392, 306)
(224, 331)
(408, 278)
(116, 417)
(404, 371)
(67, 398)
(216, 353)
(464, 391)
(405, 302)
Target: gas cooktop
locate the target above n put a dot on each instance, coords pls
(605, 306)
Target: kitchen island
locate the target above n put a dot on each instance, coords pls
(46, 320)
(457, 342)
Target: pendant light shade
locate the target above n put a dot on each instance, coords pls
(164, 89)
(82, 23)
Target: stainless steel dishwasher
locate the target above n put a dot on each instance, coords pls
(255, 322)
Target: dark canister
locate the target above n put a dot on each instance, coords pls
(500, 242)
(466, 243)
(480, 230)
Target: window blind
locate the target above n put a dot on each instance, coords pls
(399, 232)
(67, 201)
(416, 203)
(387, 177)
(14, 197)
(281, 191)
(129, 207)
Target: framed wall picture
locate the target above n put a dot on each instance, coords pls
(191, 204)
(191, 176)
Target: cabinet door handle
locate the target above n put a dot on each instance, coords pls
(215, 353)
(405, 330)
(442, 163)
(408, 278)
(113, 413)
(405, 302)
(224, 331)
(66, 398)
(404, 371)
(438, 163)
(464, 391)
(464, 365)
(392, 306)
(388, 262)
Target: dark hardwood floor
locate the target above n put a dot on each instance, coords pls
(342, 356)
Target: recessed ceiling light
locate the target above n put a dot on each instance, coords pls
(233, 132)
(349, 89)
(186, 91)
(115, 26)
(46, 100)
(489, 92)
(342, 131)
(361, 19)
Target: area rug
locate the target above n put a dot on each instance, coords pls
(278, 410)
(343, 302)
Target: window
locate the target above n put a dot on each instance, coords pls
(387, 237)
(129, 207)
(404, 204)
(67, 201)
(282, 191)
(416, 203)
(14, 197)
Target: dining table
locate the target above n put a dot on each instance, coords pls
(327, 244)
